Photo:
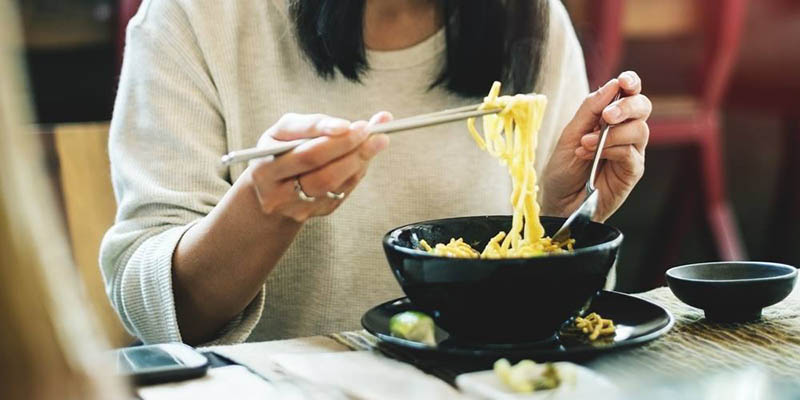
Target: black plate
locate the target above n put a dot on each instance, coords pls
(637, 321)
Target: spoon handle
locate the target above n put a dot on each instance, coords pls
(604, 128)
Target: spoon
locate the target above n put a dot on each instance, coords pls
(583, 215)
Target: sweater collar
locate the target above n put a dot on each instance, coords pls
(410, 56)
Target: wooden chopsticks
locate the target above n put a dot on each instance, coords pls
(404, 124)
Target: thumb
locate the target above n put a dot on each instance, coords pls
(380, 118)
(590, 111)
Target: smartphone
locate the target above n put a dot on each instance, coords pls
(159, 363)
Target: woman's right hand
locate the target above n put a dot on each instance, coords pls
(221, 262)
(334, 160)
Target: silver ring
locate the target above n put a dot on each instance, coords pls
(300, 193)
(336, 196)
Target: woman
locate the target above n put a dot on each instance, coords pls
(204, 253)
(47, 342)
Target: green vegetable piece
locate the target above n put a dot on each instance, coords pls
(414, 326)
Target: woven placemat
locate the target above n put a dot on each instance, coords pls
(693, 345)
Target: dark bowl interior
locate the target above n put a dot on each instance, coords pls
(499, 301)
(732, 291)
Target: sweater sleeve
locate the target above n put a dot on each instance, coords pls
(167, 136)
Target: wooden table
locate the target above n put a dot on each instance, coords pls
(349, 365)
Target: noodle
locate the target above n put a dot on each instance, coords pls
(511, 137)
(595, 326)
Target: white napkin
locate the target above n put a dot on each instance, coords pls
(232, 382)
(588, 385)
(366, 375)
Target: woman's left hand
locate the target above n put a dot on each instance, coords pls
(564, 178)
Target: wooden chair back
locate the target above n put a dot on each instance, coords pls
(90, 208)
(655, 19)
(607, 25)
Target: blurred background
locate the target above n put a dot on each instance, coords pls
(723, 170)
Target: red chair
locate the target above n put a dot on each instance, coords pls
(691, 121)
(598, 21)
(125, 11)
(766, 83)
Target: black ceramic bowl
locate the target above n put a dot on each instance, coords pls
(732, 291)
(499, 301)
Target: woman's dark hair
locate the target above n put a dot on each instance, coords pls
(487, 40)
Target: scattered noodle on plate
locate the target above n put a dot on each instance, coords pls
(511, 136)
(594, 326)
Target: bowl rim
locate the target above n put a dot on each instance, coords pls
(415, 252)
(791, 272)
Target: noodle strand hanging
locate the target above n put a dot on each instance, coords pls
(511, 137)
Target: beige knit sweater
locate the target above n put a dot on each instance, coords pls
(203, 77)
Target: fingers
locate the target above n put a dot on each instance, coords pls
(333, 175)
(635, 133)
(626, 156)
(629, 83)
(591, 109)
(630, 161)
(380, 118)
(627, 108)
(318, 152)
(330, 204)
(302, 126)
(334, 160)
(594, 105)
(285, 201)
(347, 188)
(351, 183)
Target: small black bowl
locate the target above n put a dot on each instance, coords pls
(509, 300)
(732, 291)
